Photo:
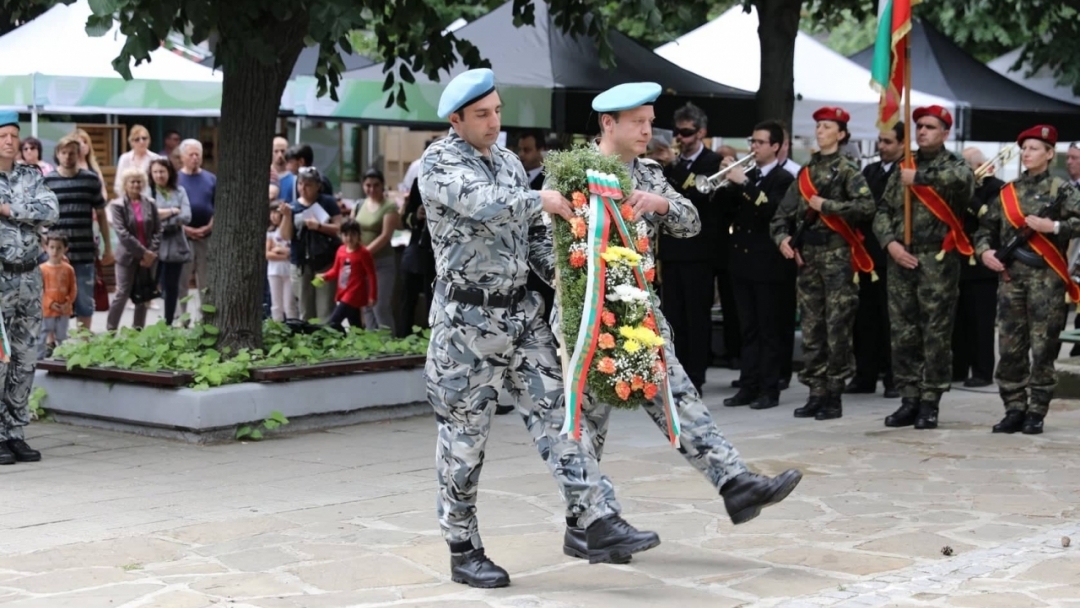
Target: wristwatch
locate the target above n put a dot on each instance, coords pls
(1057, 227)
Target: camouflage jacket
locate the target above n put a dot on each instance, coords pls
(838, 181)
(486, 224)
(1033, 192)
(949, 175)
(33, 205)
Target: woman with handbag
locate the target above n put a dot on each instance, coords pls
(174, 210)
(311, 225)
(135, 221)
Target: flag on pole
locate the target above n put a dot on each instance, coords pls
(887, 71)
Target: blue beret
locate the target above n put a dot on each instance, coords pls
(626, 97)
(464, 89)
(9, 118)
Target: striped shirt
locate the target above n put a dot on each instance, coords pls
(78, 196)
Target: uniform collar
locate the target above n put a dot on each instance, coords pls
(1035, 179)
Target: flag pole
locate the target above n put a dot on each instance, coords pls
(907, 136)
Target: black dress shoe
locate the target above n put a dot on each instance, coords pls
(891, 393)
(1012, 422)
(905, 415)
(23, 452)
(476, 570)
(784, 384)
(502, 410)
(812, 407)
(832, 409)
(747, 494)
(860, 388)
(976, 382)
(766, 401)
(928, 411)
(612, 540)
(1033, 424)
(741, 398)
(575, 545)
(6, 457)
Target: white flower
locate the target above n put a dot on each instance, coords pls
(628, 294)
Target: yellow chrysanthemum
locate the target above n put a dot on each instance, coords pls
(621, 254)
(641, 335)
(632, 346)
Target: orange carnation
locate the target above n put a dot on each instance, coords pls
(608, 318)
(658, 367)
(637, 383)
(578, 227)
(577, 259)
(642, 244)
(606, 341)
(627, 212)
(606, 366)
(650, 390)
(650, 275)
(578, 200)
(622, 389)
(649, 322)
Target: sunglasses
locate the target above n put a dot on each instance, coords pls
(686, 132)
(308, 171)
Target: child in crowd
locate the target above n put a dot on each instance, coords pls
(354, 271)
(58, 294)
(282, 303)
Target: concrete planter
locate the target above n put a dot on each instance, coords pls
(213, 415)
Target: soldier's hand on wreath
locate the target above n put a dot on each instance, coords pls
(990, 261)
(1039, 224)
(556, 204)
(646, 202)
(902, 257)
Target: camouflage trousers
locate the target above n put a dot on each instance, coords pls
(20, 302)
(700, 441)
(828, 300)
(922, 302)
(1031, 312)
(475, 353)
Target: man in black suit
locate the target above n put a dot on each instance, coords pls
(686, 265)
(758, 270)
(873, 354)
(976, 308)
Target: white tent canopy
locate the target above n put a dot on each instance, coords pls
(1042, 81)
(822, 76)
(71, 72)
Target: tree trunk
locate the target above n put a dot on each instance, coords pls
(250, 100)
(778, 24)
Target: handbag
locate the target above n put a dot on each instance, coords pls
(318, 249)
(101, 292)
(146, 286)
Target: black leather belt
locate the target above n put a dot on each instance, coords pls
(19, 268)
(481, 297)
(819, 238)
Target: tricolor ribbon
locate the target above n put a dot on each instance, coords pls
(5, 346)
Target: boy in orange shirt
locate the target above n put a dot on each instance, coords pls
(58, 295)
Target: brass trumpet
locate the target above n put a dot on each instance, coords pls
(1002, 157)
(708, 184)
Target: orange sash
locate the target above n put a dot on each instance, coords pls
(1010, 203)
(956, 238)
(860, 257)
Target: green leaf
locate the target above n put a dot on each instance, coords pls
(278, 417)
(270, 425)
(211, 329)
(256, 434)
(242, 432)
(208, 308)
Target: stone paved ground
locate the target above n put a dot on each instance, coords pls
(346, 518)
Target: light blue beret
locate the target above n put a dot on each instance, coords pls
(9, 118)
(464, 89)
(626, 96)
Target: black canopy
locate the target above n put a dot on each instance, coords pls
(309, 58)
(995, 108)
(542, 56)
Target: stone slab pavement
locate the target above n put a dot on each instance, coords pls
(346, 517)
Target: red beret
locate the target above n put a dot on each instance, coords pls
(937, 112)
(1044, 133)
(836, 114)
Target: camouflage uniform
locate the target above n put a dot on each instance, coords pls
(828, 294)
(700, 441)
(1031, 306)
(922, 300)
(486, 229)
(33, 205)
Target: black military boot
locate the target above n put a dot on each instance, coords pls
(747, 494)
(905, 415)
(6, 457)
(612, 540)
(476, 570)
(832, 409)
(23, 452)
(768, 399)
(743, 397)
(1033, 424)
(928, 411)
(812, 407)
(1012, 422)
(575, 545)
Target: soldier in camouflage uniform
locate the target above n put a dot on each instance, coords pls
(1032, 296)
(828, 293)
(626, 114)
(924, 277)
(487, 332)
(26, 205)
